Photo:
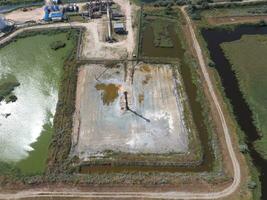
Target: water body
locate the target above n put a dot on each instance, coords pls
(150, 50)
(25, 135)
(215, 37)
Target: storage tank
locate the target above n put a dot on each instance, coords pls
(5, 26)
(57, 8)
(46, 16)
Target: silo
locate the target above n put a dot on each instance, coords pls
(46, 16)
(3, 25)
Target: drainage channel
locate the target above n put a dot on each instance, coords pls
(214, 38)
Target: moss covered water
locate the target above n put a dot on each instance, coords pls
(26, 124)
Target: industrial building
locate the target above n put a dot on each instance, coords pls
(119, 28)
(53, 13)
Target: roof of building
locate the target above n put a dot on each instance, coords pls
(118, 25)
(56, 15)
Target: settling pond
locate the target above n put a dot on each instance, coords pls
(9, 8)
(215, 37)
(26, 132)
(149, 50)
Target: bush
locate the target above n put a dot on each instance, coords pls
(57, 45)
(180, 2)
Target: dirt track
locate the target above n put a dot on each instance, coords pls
(235, 19)
(94, 47)
(33, 14)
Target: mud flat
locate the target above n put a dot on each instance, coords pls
(153, 123)
(234, 90)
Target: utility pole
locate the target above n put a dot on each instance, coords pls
(109, 22)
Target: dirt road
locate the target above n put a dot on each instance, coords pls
(235, 162)
(127, 9)
(19, 16)
(93, 46)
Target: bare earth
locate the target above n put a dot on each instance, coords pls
(235, 20)
(33, 14)
(105, 124)
(94, 44)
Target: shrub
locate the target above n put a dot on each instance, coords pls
(57, 45)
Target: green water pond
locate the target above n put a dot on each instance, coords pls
(26, 125)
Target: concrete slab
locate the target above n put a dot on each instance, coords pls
(154, 123)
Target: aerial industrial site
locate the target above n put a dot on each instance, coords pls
(133, 99)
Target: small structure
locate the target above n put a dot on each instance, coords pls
(72, 8)
(56, 16)
(5, 26)
(46, 16)
(56, 1)
(119, 28)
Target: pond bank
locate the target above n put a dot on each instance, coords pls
(214, 38)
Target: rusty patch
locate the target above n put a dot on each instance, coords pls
(109, 92)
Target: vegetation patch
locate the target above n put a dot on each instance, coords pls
(17, 2)
(161, 34)
(201, 25)
(61, 140)
(7, 86)
(247, 57)
(158, 33)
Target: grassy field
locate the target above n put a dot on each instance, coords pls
(248, 59)
(160, 33)
(76, 18)
(7, 85)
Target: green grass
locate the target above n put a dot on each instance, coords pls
(161, 34)
(61, 140)
(30, 59)
(248, 59)
(235, 11)
(76, 18)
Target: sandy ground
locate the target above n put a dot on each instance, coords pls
(33, 14)
(94, 46)
(156, 127)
